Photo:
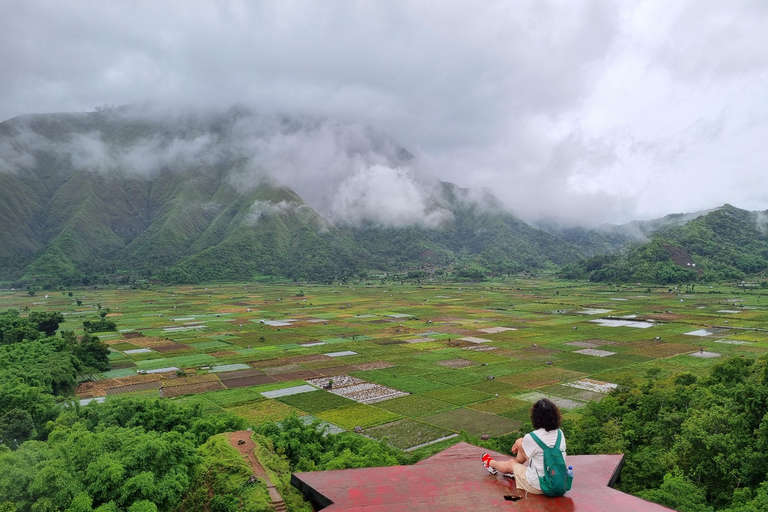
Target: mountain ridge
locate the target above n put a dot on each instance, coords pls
(119, 195)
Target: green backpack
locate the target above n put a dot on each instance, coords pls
(556, 479)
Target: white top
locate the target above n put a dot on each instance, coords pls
(536, 455)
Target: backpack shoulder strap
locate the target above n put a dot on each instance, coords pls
(538, 441)
(544, 446)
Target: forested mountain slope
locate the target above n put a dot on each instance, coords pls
(725, 244)
(197, 198)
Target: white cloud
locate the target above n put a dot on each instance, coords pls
(386, 196)
(589, 110)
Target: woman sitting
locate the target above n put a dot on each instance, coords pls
(546, 419)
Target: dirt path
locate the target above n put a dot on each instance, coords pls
(243, 443)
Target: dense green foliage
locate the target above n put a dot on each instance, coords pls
(726, 244)
(310, 448)
(122, 455)
(35, 368)
(693, 445)
(131, 455)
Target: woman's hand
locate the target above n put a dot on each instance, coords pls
(517, 446)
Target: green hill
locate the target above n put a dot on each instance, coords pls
(725, 244)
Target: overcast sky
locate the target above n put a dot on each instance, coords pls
(592, 111)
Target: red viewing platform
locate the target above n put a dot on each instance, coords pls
(455, 480)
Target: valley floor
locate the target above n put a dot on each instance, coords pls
(413, 363)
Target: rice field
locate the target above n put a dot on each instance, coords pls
(408, 362)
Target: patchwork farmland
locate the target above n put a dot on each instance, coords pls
(415, 363)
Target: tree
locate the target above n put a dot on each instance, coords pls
(92, 352)
(47, 322)
(16, 426)
(678, 493)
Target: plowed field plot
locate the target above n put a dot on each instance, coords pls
(337, 370)
(303, 375)
(474, 422)
(248, 381)
(191, 389)
(406, 433)
(153, 342)
(132, 388)
(192, 379)
(239, 374)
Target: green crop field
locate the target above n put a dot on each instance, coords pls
(451, 357)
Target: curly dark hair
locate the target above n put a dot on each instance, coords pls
(545, 414)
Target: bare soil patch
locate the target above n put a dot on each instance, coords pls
(189, 389)
(302, 375)
(243, 382)
(132, 388)
(239, 374)
(337, 370)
